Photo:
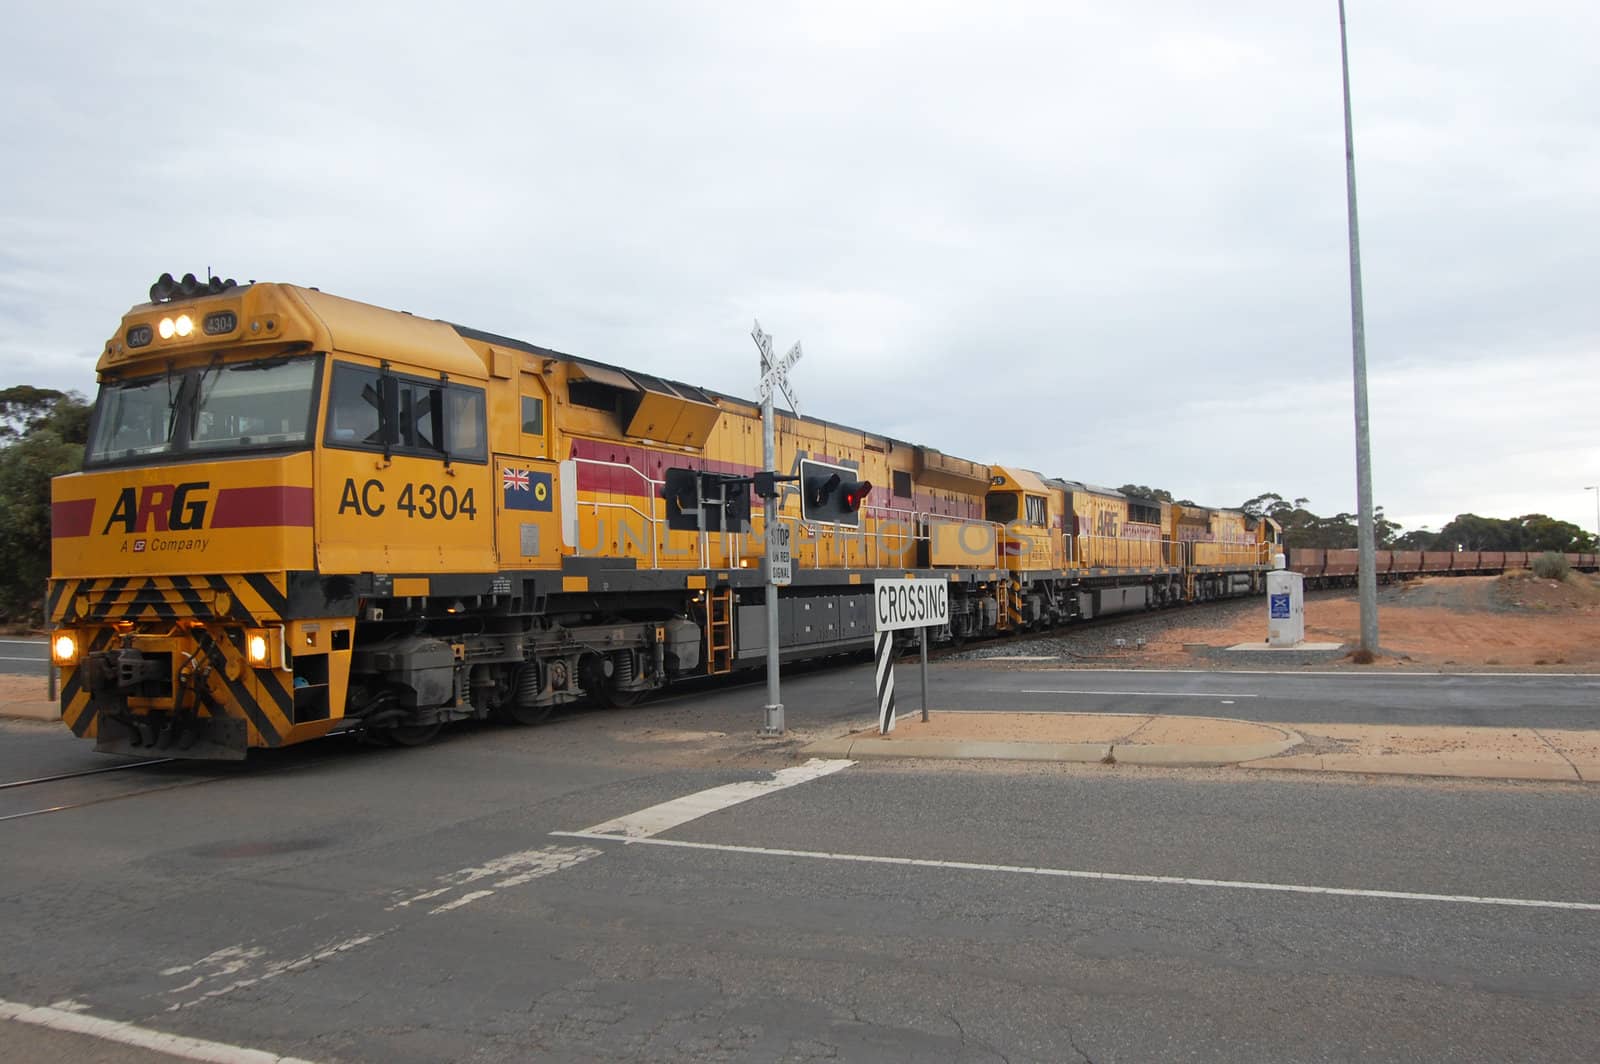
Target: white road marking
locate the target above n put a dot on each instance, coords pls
(226, 961)
(667, 815)
(465, 899)
(1145, 694)
(272, 969)
(237, 967)
(512, 870)
(38, 660)
(1067, 873)
(75, 1021)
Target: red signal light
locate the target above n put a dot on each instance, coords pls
(855, 494)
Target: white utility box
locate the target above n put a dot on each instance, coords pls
(1286, 608)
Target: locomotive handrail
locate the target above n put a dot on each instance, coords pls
(913, 531)
(996, 531)
(649, 518)
(1121, 552)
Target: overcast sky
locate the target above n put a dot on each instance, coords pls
(1107, 242)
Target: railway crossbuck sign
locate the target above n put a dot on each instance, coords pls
(896, 606)
(775, 371)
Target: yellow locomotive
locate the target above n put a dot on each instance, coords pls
(301, 514)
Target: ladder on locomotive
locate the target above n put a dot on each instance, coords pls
(719, 631)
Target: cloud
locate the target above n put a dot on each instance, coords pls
(1104, 242)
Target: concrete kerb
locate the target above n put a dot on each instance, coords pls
(858, 745)
(39, 710)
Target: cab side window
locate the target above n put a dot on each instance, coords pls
(1036, 510)
(532, 415)
(354, 408)
(374, 410)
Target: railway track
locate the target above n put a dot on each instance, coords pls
(85, 772)
(62, 792)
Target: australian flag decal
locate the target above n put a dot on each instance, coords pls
(523, 489)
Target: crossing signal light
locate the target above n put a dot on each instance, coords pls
(735, 504)
(819, 496)
(711, 502)
(831, 494)
(852, 493)
(682, 492)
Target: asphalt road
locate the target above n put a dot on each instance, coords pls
(1346, 697)
(835, 696)
(24, 657)
(340, 903)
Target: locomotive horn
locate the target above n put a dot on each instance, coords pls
(190, 287)
(163, 289)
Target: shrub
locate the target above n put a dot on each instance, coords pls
(1551, 566)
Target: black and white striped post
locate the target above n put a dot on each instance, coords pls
(899, 605)
(884, 651)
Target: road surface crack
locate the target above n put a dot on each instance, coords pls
(1555, 750)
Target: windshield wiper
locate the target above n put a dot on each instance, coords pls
(266, 363)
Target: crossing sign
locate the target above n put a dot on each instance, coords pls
(901, 604)
(775, 373)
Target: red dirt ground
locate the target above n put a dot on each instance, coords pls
(1515, 620)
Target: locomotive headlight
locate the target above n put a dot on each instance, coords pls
(264, 648)
(184, 325)
(64, 649)
(167, 328)
(258, 648)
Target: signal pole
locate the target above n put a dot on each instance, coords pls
(1367, 577)
(774, 375)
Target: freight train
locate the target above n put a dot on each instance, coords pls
(300, 515)
(1338, 567)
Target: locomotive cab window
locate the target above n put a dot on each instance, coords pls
(1000, 507)
(251, 405)
(1036, 510)
(373, 410)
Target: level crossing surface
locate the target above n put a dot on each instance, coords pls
(660, 884)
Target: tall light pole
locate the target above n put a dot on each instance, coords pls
(1367, 578)
(1596, 489)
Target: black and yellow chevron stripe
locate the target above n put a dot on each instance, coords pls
(75, 705)
(262, 696)
(249, 598)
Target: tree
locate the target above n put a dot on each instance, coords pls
(42, 433)
(25, 409)
(1421, 539)
(1140, 491)
(1303, 528)
(1534, 532)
